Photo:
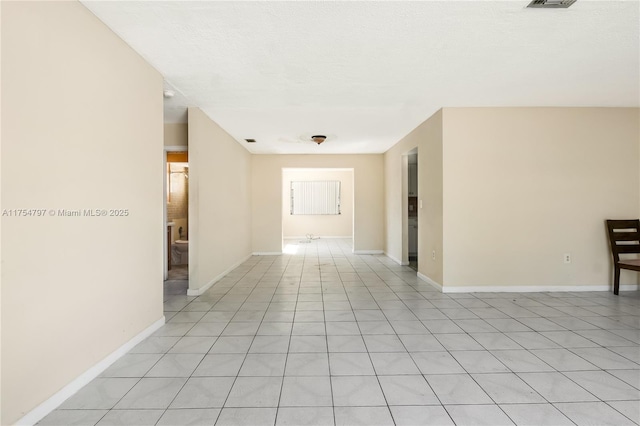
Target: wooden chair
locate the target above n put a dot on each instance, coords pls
(624, 237)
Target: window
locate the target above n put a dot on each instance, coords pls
(315, 197)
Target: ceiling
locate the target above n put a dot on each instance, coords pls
(367, 73)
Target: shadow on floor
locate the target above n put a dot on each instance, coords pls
(178, 272)
(413, 263)
(178, 280)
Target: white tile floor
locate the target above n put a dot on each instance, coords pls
(325, 337)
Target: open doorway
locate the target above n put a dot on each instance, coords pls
(412, 210)
(317, 203)
(176, 245)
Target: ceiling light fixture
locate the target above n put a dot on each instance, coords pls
(318, 138)
(169, 94)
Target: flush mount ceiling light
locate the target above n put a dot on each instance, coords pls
(318, 138)
(169, 94)
(551, 4)
(305, 138)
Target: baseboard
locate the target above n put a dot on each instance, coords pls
(536, 288)
(625, 287)
(315, 237)
(266, 253)
(38, 413)
(207, 286)
(523, 289)
(368, 252)
(428, 280)
(396, 260)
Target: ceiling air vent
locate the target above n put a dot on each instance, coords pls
(551, 4)
(250, 140)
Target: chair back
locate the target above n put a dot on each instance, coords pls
(624, 237)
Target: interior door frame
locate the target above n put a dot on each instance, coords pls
(165, 248)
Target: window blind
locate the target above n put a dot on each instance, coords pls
(315, 197)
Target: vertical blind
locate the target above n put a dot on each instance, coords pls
(315, 197)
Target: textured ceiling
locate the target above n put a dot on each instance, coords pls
(367, 73)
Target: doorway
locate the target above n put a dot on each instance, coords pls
(412, 210)
(317, 204)
(176, 241)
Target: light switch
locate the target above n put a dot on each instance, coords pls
(420, 203)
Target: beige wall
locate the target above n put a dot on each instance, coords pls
(430, 191)
(267, 197)
(176, 134)
(75, 98)
(219, 201)
(427, 137)
(522, 186)
(0, 221)
(319, 225)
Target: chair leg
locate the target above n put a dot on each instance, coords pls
(616, 280)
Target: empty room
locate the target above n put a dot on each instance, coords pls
(320, 213)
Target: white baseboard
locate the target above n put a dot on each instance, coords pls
(201, 290)
(428, 280)
(535, 289)
(625, 287)
(396, 260)
(38, 413)
(524, 288)
(315, 237)
(266, 253)
(368, 252)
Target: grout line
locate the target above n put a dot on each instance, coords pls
(286, 360)
(380, 285)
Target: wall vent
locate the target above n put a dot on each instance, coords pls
(551, 4)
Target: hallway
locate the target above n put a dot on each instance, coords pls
(326, 337)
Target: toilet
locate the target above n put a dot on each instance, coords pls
(180, 252)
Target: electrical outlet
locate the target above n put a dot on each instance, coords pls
(567, 258)
(433, 255)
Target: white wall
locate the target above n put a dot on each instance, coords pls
(82, 129)
(319, 225)
(523, 186)
(368, 190)
(219, 202)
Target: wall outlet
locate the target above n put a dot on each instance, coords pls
(433, 255)
(567, 258)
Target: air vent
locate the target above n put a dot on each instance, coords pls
(551, 4)
(250, 140)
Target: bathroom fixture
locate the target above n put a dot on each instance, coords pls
(180, 252)
(184, 172)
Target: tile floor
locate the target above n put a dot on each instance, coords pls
(325, 337)
(179, 272)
